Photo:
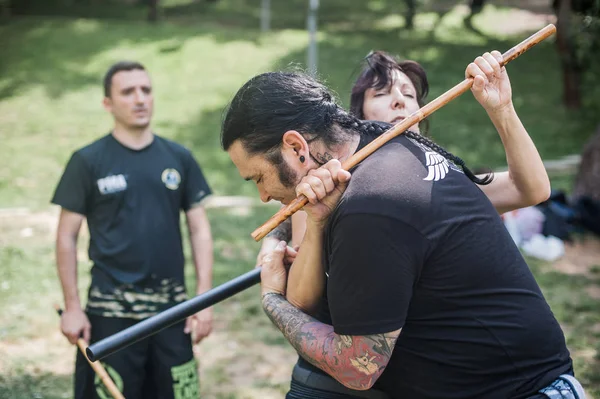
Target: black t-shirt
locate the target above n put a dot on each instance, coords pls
(414, 244)
(132, 201)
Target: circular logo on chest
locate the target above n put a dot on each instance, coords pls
(171, 178)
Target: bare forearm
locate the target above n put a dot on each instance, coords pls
(355, 361)
(202, 252)
(527, 181)
(66, 261)
(298, 227)
(306, 281)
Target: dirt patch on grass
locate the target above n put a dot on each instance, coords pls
(581, 257)
(230, 363)
(50, 354)
(21, 223)
(517, 21)
(505, 17)
(594, 291)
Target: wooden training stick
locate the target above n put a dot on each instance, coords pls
(97, 366)
(402, 126)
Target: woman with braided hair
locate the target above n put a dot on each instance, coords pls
(427, 295)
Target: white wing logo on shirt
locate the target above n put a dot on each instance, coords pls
(437, 166)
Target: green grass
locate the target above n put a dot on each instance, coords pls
(30, 342)
(50, 104)
(578, 313)
(52, 67)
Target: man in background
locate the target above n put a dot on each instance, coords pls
(130, 186)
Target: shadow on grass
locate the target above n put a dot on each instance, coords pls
(333, 15)
(290, 14)
(56, 53)
(61, 56)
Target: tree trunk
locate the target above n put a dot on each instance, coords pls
(570, 67)
(153, 10)
(476, 6)
(587, 181)
(411, 11)
(4, 9)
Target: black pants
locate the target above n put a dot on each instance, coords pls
(308, 384)
(160, 366)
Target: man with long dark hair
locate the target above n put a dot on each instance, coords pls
(426, 294)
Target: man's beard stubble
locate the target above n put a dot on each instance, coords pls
(287, 175)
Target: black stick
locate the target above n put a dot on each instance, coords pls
(154, 324)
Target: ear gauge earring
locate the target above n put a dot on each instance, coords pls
(302, 159)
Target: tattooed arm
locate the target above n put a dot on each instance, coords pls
(355, 361)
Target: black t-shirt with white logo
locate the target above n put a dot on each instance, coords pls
(414, 244)
(132, 201)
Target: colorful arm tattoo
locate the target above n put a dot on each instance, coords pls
(355, 361)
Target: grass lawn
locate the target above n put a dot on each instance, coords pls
(51, 71)
(50, 105)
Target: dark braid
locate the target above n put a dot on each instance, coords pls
(373, 128)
